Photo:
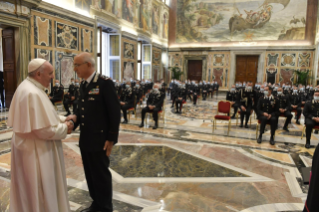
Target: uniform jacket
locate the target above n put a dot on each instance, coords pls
(246, 98)
(155, 98)
(295, 99)
(127, 96)
(267, 105)
(232, 96)
(57, 92)
(98, 114)
(311, 109)
(283, 102)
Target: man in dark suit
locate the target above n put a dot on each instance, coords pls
(127, 100)
(311, 113)
(216, 88)
(99, 117)
(233, 97)
(246, 103)
(181, 97)
(295, 102)
(284, 106)
(57, 92)
(154, 105)
(266, 112)
(69, 97)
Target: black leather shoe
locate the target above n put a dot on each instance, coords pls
(241, 126)
(124, 122)
(155, 127)
(297, 122)
(141, 125)
(246, 126)
(285, 129)
(316, 131)
(307, 146)
(259, 140)
(272, 142)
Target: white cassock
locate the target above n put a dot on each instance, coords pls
(38, 179)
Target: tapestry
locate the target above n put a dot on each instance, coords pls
(218, 75)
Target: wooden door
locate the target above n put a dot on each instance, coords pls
(195, 70)
(246, 68)
(9, 68)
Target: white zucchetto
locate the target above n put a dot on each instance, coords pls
(35, 64)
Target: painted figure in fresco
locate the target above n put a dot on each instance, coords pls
(128, 12)
(145, 17)
(165, 26)
(128, 53)
(155, 20)
(96, 4)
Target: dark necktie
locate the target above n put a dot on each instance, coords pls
(84, 85)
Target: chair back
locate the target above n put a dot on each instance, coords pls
(223, 107)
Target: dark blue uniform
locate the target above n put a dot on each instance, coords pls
(57, 94)
(178, 102)
(98, 115)
(128, 98)
(155, 98)
(233, 96)
(295, 100)
(246, 100)
(310, 111)
(283, 102)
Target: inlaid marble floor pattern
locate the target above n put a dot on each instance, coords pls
(184, 166)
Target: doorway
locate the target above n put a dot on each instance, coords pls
(246, 68)
(195, 69)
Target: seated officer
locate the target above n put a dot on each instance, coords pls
(196, 91)
(233, 97)
(257, 95)
(284, 107)
(311, 113)
(154, 105)
(174, 92)
(205, 88)
(246, 103)
(295, 102)
(126, 100)
(210, 88)
(303, 95)
(181, 96)
(216, 88)
(57, 92)
(138, 91)
(69, 97)
(266, 112)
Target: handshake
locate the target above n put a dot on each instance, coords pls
(69, 121)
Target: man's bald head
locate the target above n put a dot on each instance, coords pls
(84, 65)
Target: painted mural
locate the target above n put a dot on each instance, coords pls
(83, 4)
(128, 8)
(128, 50)
(156, 19)
(240, 20)
(165, 25)
(145, 14)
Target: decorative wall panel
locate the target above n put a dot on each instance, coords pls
(87, 40)
(42, 31)
(129, 58)
(67, 37)
(128, 70)
(304, 60)
(44, 54)
(288, 59)
(272, 59)
(157, 54)
(156, 73)
(286, 76)
(64, 68)
(218, 75)
(165, 25)
(156, 19)
(218, 60)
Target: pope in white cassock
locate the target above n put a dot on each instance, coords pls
(38, 180)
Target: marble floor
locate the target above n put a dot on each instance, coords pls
(184, 166)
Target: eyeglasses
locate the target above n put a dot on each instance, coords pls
(77, 65)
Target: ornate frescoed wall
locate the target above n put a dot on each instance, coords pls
(218, 66)
(59, 41)
(129, 58)
(280, 65)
